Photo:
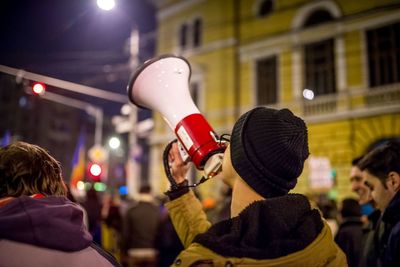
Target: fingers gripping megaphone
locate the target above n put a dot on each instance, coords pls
(162, 84)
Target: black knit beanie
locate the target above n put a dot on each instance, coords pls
(268, 150)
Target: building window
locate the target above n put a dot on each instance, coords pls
(265, 8)
(266, 81)
(384, 55)
(320, 67)
(183, 33)
(197, 30)
(190, 34)
(318, 17)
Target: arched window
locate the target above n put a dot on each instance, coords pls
(318, 17)
(319, 59)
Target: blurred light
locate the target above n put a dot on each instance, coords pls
(106, 4)
(98, 186)
(38, 88)
(114, 142)
(22, 101)
(95, 169)
(80, 185)
(88, 186)
(332, 194)
(308, 94)
(126, 109)
(123, 190)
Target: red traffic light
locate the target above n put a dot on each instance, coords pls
(38, 88)
(95, 170)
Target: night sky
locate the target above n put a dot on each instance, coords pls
(76, 41)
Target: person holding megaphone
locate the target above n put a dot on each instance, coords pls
(268, 226)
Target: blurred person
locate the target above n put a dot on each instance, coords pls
(268, 226)
(357, 183)
(167, 240)
(370, 215)
(140, 226)
(93, 207)
(39, 226)
(329, 212)
(381, 171)
(111, 227)
(350, 232)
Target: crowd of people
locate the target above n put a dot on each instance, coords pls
(261, 224)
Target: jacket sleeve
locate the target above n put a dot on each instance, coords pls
(188, 217)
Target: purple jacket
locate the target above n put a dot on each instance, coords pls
(47, 232)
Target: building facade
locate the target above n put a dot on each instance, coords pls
(335, 63)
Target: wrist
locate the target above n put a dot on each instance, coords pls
(178, 190)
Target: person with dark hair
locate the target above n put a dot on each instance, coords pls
(364, 193)
(139, 230)
(350, 233)
(39, 226)
(268, 226)
(381, 171)
(370, 215)
(357, 183)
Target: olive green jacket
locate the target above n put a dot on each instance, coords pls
(191, 224)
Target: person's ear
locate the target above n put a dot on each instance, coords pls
(394, 180)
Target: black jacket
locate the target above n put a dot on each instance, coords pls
(388, 236)
(349, 239)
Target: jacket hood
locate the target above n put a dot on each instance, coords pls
(50, 222)
(266, 229)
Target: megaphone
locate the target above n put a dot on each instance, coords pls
(162, 84)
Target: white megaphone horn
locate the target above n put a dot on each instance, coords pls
(162, 84)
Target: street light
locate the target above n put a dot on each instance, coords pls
(114, 142)
(106, 5)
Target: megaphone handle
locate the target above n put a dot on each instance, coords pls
(167, 170)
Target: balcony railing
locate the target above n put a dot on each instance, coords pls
(347, 103)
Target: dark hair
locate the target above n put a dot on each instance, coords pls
(350, 208)
(382, 160)
(27, 169)
(356, 160)
(145, 189)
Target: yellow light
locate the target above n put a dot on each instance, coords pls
(80, 185)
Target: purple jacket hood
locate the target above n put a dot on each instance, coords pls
(50, 222)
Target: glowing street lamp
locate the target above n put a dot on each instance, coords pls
(106, 4)
(114, 142)
(308, 94)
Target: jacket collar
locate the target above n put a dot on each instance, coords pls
(391, 214)
(266, 229)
